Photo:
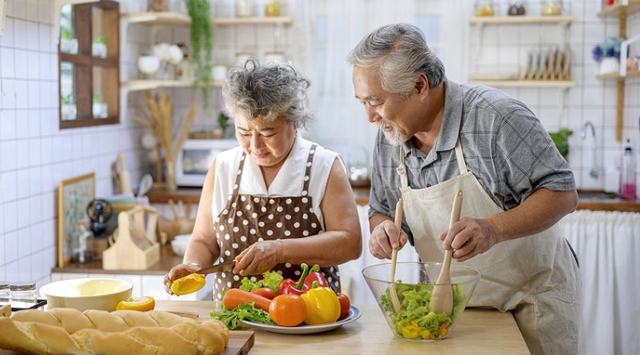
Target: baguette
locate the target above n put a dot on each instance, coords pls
(66, 331)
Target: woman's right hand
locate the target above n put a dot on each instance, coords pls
(383, 237)
(177, 272)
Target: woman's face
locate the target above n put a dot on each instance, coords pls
(267, 143)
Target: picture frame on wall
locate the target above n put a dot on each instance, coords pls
(74, 195)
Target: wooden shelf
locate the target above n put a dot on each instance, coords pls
(514, 20)
(158, 18)
(616, 75)
(618, 10)
(176, 19)
(526, 83)
(275, 20)
(137, 85)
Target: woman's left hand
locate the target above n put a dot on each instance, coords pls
(258, 258)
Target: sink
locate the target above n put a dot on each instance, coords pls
(598, 195)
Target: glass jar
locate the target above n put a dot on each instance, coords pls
(23, 292)
(244, 8)
(517, 8)
(484, 8)
(5, 293)
(551, 8)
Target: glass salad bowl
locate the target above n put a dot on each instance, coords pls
(414, 284)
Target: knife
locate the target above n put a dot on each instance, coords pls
(222, 267)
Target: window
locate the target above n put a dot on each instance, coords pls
(89, 59)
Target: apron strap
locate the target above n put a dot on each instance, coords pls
(402, 171)
(307, 173)
(462, 166)
(236, 186)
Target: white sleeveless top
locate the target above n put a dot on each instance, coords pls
(288, 182)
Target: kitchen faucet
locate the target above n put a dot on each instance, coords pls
(594, 168)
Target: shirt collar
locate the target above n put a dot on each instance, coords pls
(451, 120)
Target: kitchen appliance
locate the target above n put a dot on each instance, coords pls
(195, 158)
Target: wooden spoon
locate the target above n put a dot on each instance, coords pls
(394, 258)
(442, 296)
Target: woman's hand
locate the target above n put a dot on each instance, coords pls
(384, 237)
(258, 258)
(177, 272)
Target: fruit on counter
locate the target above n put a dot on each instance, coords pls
(235, 297)
(143, 304)
(288, 310)
(265, 292)
(345, 304)
(187, 284)
(322, 306)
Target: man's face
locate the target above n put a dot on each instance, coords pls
(387, 111)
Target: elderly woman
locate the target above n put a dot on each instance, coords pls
(277, 200)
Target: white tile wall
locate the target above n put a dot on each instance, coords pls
(35, 154)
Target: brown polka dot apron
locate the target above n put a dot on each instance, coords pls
(248, 219)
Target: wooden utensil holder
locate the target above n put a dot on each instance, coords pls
(133, 246)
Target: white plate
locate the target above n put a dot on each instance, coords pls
(353, 315)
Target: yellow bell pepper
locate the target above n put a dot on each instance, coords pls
(322, 306)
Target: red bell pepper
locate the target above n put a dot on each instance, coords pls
(288, 286)
(315, 279)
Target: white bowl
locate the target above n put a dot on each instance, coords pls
(182, 237)
(179, 246)
(149, 64)
(87, 293)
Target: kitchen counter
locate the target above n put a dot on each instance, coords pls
(595, 200)
(478, 332)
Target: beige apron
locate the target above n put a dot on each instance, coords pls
(536, 276)
(247, 219)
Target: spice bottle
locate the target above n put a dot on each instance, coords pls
(551, 8)
(628, 173)
(484, 8)
(517, 8)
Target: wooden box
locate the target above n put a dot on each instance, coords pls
(133, 246)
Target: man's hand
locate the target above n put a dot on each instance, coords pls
(469, 237)
(384, 238)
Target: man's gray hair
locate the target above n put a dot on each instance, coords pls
(268, 91)
(400, 53)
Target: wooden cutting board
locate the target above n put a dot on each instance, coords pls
(240, 342)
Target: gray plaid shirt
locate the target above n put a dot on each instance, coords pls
(503, 144)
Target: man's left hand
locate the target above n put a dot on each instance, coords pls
(469, 237)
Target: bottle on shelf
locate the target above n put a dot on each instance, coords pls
(628, 173)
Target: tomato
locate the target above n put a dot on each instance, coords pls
(288, 310)
(264, 292)
(345, 304)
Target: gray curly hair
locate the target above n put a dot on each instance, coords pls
(401, 54)
(269, 91)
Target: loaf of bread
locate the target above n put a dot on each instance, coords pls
(67, 331)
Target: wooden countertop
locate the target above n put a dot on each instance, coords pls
(361, 195)
(478, 332)
(167, 260)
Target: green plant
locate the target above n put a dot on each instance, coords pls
(67, 100)
(223, 121)
(561, 140)
(96, 98)
(100, 40)
(201, 44)
(66, 33)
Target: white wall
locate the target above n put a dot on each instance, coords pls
(35, 155)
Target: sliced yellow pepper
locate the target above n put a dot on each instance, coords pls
(322, 306)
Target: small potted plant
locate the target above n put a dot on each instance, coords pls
(99, 108)
(68, 108)
(68, 44)
(607, 54)
(99, 47)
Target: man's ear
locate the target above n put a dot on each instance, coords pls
(422, 85)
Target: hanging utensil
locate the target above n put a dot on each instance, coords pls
(394, 258)
(442, 295)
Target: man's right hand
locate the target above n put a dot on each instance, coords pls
(384, 237)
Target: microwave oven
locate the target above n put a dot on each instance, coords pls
(195, 158)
